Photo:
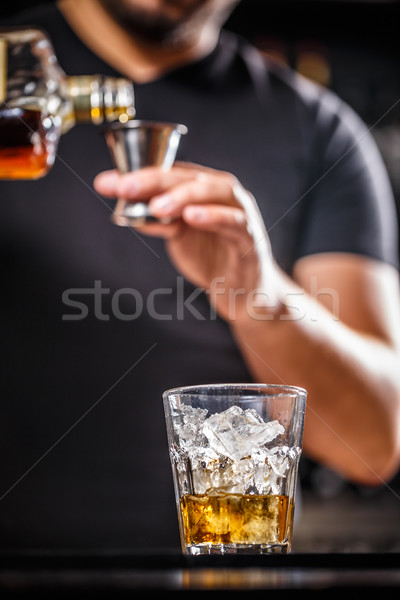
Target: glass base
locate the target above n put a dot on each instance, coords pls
(196, 550)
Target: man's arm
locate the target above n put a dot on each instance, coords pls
(337, 334)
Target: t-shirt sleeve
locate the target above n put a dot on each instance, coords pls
(348, 200)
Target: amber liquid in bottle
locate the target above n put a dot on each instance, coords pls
(23, 151)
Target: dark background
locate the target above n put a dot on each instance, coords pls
(352, 47)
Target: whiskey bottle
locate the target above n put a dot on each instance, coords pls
(39, 102)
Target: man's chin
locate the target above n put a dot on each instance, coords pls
(160, 29)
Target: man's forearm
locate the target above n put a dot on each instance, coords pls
(352, 421)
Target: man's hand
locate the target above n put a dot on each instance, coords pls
(216, 237)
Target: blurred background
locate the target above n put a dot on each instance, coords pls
(353, 48)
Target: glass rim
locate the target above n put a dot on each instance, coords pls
(193, 390)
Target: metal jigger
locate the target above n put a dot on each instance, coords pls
(138, 144)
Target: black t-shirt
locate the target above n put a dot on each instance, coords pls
(83, 451)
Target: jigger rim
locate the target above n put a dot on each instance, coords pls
(137, 123)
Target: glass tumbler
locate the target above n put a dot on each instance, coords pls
(235, 450)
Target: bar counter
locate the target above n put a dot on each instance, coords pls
(116, 575)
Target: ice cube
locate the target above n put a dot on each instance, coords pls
(236, 433)
(188, 426)
(227, 452)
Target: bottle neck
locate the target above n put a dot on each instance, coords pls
(99, 99)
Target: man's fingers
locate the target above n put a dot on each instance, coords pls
(202, 198)
(160, 230)
(229, 222)
(106, 183)
(204, 189)
(172, 189)
(142, 184)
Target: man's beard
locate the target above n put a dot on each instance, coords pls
(156, 29)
